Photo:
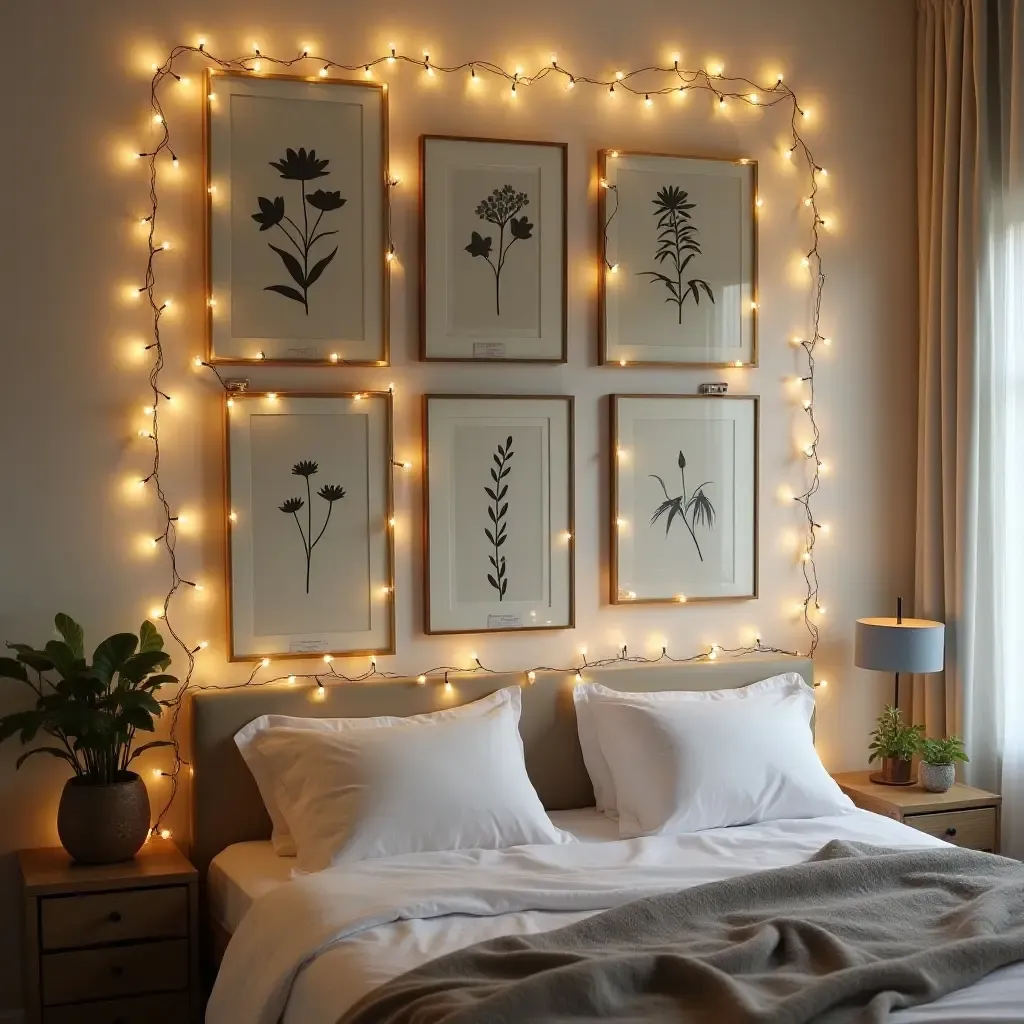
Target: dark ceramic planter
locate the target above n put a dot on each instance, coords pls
(103, 823)
(896, 771)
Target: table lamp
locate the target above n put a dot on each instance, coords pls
(900, 645)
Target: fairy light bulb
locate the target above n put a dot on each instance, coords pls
(805, 262)
(681, 598)
(613, 269)
(531, 676)
(158, 119)
(619, 76)
(713, 653)
(391, 57)
(368, 71)
(291, 680)
(579, 677)
(203, 644)
(324, 71)
(156, 612)
(165, 833)
(823, 683)
(147, 410)
(231, 403)
(754, 98)
(648, 102)
(421, 680)
(233, 517)
(320, 693)
(335, 357)
(721, 103)
(328, 658)
(264, 662)
(787, 154)
(759, 202)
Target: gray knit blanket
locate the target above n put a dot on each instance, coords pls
(844, 938)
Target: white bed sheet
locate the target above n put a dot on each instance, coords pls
(308, 952)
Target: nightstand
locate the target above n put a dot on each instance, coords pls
(114, 943)
(964, 815)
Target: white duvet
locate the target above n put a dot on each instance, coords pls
(310, 949)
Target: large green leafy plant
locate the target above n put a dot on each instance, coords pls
(893, 739)
(92, 710)
(943, 751)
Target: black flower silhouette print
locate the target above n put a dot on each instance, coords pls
(497, 512)
(500, 209)
(677, 246)
(694, 509)
(301, 167)
(292, 506)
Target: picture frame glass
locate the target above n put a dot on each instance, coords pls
(310, 560)
(684, 512)
(296, 220)
(494, 250)
(499, 513)
(679, 247)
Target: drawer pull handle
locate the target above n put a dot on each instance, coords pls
(114, 917)
(951, 831)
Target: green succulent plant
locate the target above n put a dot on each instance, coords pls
(943, 751)
(93, 710)
(893, 739)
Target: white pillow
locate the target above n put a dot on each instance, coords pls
(687, 766)
(359, 794)
(585, 695)
(284, 845)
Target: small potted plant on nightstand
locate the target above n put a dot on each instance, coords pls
(937, 770)
(895, 744)
(91, 715)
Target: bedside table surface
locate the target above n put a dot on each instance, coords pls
(49, 871)
(915, 799)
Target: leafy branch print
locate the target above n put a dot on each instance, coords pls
(694, 510)
(496, 512)
(677, 246)
(292, 506)
(301, 167)
(500, 209)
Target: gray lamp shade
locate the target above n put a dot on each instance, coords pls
(888, 645)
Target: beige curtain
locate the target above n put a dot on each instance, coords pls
(970, 124)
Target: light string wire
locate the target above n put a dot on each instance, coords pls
(723, 88)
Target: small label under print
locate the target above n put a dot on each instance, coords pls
(302, 351)
(503, 621)
(488, 350)
(307, 646)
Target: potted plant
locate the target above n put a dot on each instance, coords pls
(895, 744)
(937, 770)
(91, 714)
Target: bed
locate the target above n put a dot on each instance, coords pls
(307, 949)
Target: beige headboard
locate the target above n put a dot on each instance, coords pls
(226, 805)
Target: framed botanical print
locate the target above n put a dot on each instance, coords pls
(679, 247)
(498, 512)
(296, 220)
(684, 498)
(493, 250)
(310, 556)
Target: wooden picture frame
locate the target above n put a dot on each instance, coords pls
(498, 513)
(296, 277)
(651, 311)
(324, 585)
(493, 285)
(702, 544)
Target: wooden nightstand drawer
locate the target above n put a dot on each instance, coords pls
(972, 829)
(90, 920)
(171, 1008)
(114, 971)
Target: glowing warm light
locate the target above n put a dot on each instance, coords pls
(233, 517)
(391, 522)
(805, 557)
(622, 362)
(291, 680)
(753, 305)
(613, 269)
(200, 588)
(825, 528)
(391, 58)
(566, 536)
(158, 119)
(821, 609)
(754, 98)
(808, 201)
(571, 84)
(264, 662)
(721, 103)
(389, 256)
(579, 677)
(211, 302)
(328, 659)
(614, 153)
(231, 403)
(165, 833)
(147, 410)
(823, 683)
(739, 362)
(787, 154)
(212, 97)
(531, 676)
(631, 595)
(421, 680)
(203, 644)
(368, 71)
(319, 693)
(826, 341)
(335, 357)
(805, 262)
(681, 598)
(157, 773)
(619, 76)
(759, 202)
(604, 183)
(648, 102)
(156, 612)
(271, 396)
(823, 172)
(323, 72)
(621, 523)
(406, 465)
(713, 653)
(807, 403)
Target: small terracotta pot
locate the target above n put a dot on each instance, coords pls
(896, 771)
(103, 823)
(936, 778)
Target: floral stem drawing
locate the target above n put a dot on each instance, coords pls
(292, 506)
(677, 246)
(500, 209)
(697, 506)
(496, 532)
(301, 167)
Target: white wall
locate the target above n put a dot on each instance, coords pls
(76, 78)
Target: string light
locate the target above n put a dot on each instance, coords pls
(762, 96)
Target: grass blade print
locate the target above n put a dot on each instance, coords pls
(292, 506)
(500, 209)
(677, 246)
(697, 506)
(497, 512)
(301, 167)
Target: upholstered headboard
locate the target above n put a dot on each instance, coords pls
(226, 805)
